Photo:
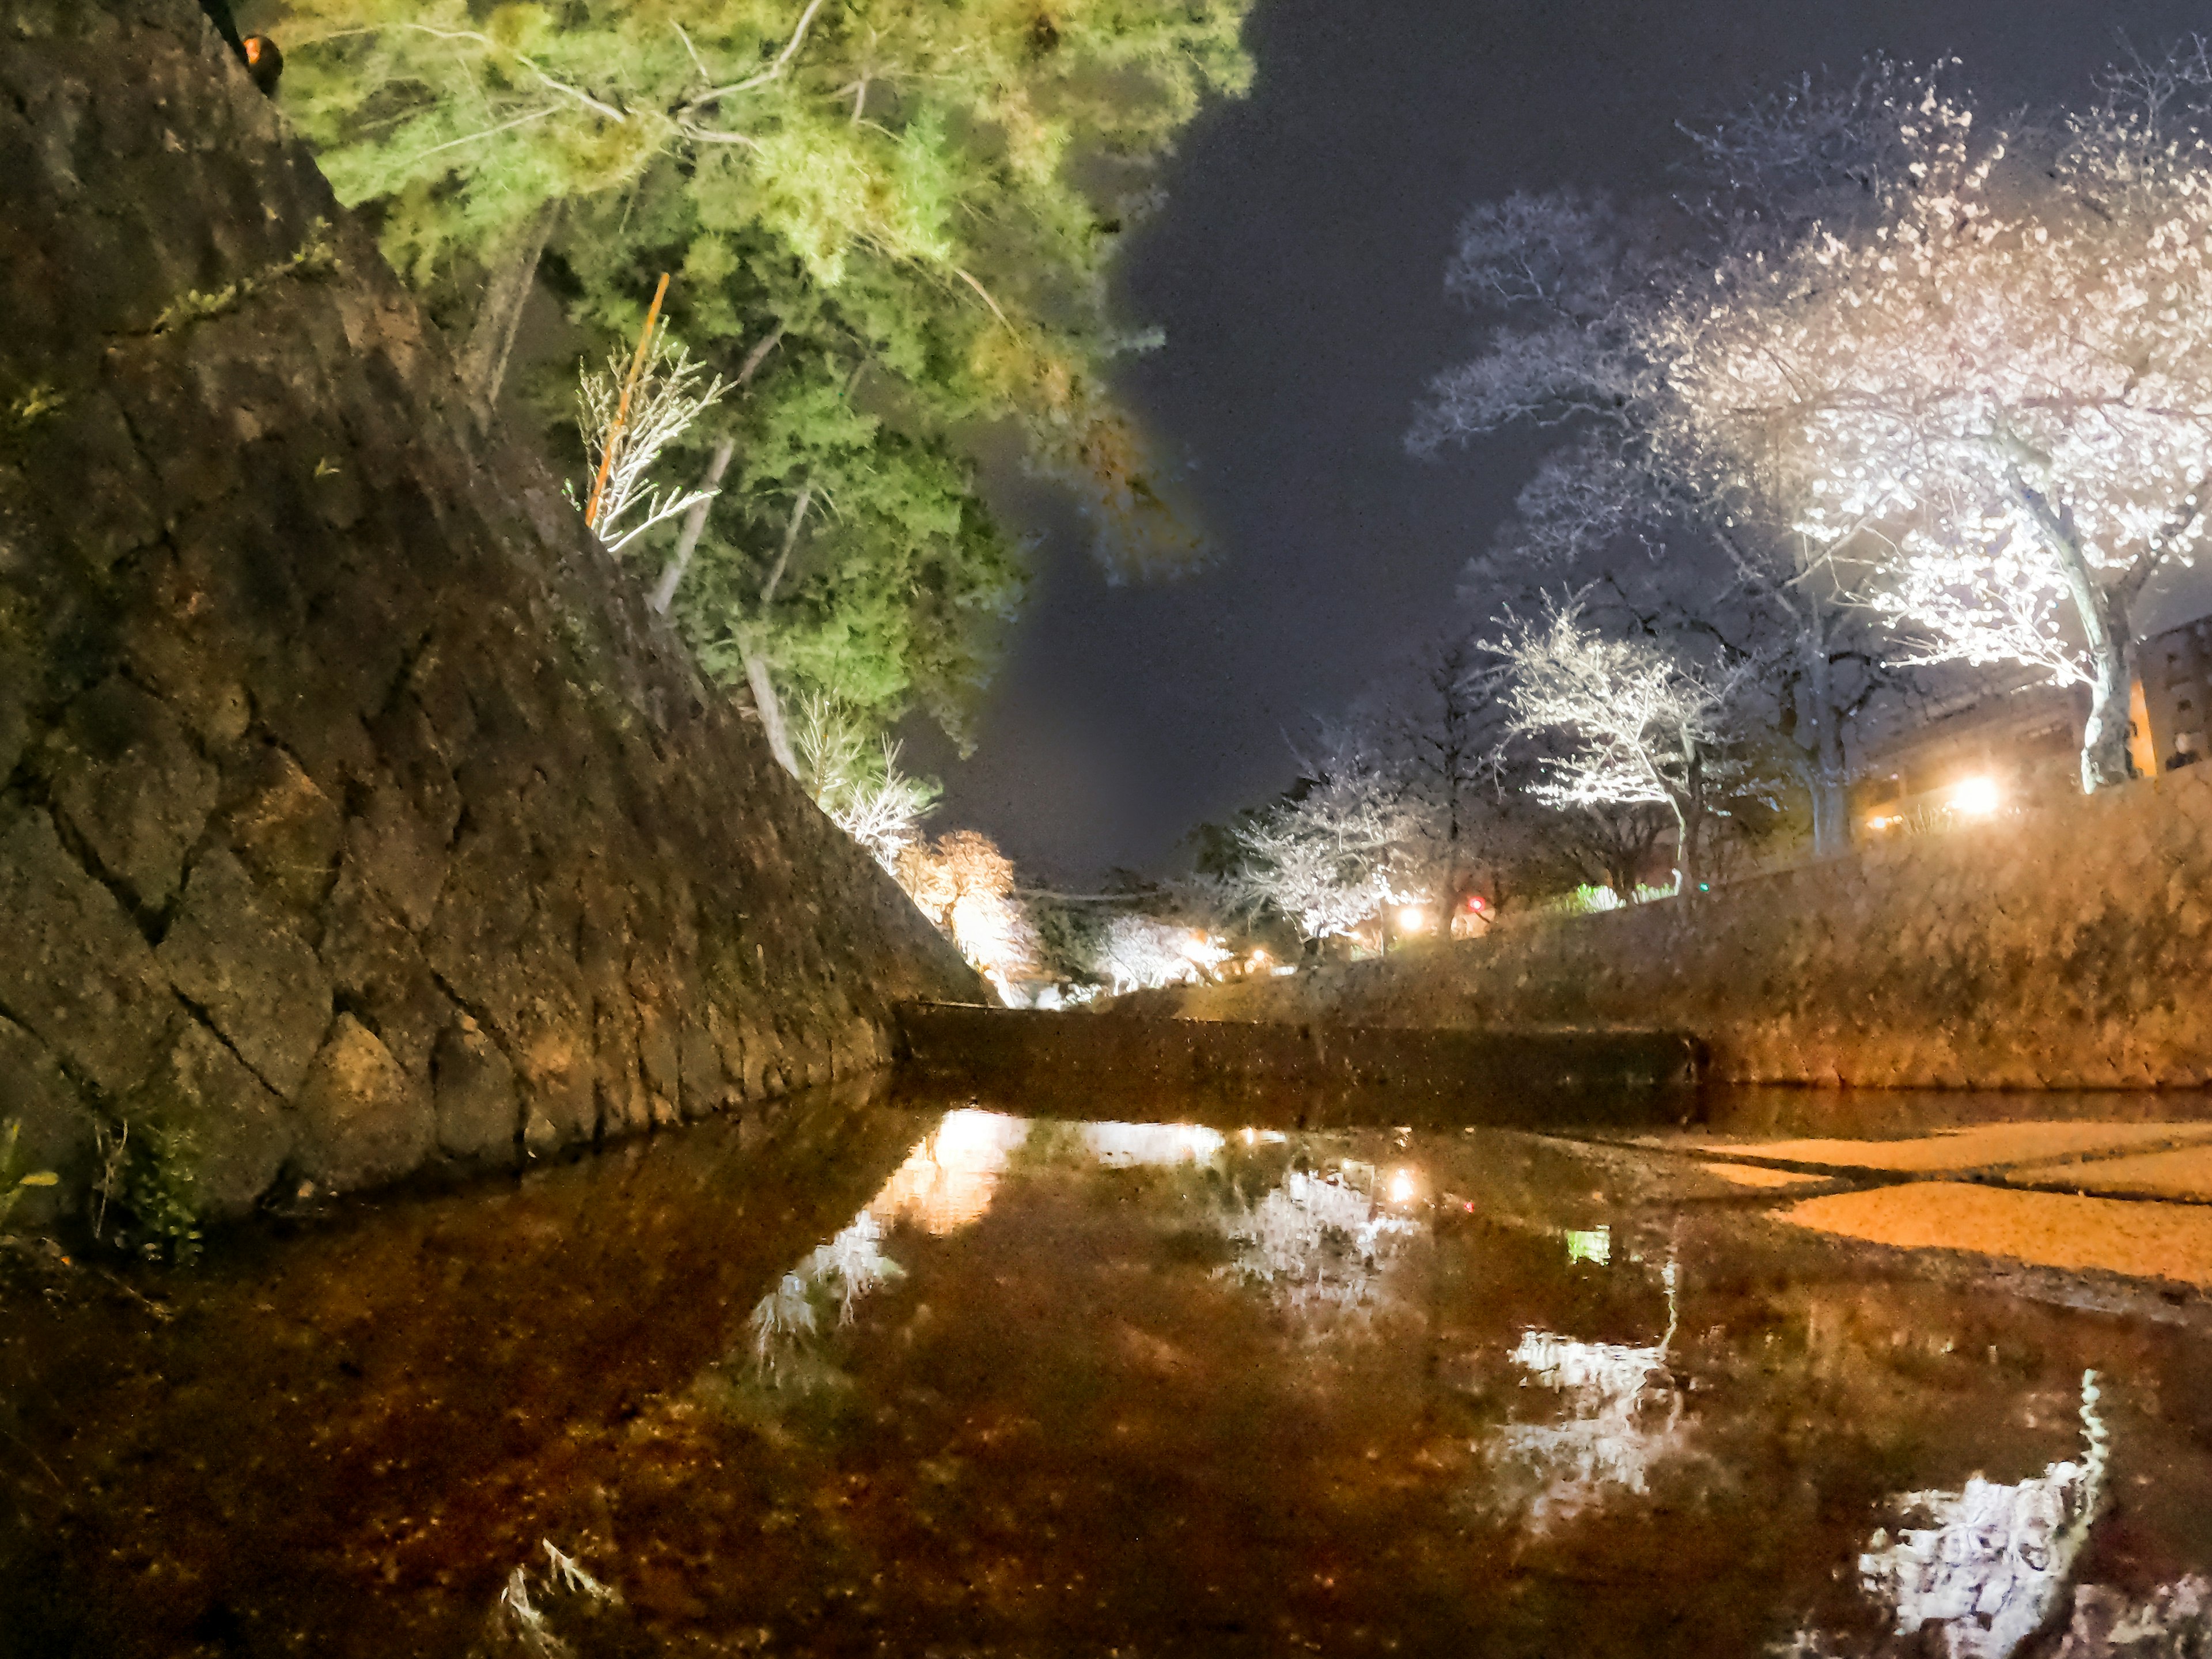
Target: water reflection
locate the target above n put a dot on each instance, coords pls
(947, 1182)
(1136, 1145)
(2172, 1621)
(849, 1266)
(1991, 1565)
(1317, 1243)
(1621, 1414)
(968, 1383)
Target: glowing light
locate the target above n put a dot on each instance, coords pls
(949, 1179)
(1412, 918)
(1402, 1187)
(1590, 1244)
(1977, 798)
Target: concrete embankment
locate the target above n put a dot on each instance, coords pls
(1300, 1076)
(354, 814)
(2065, 947)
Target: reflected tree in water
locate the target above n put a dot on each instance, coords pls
(849, 1266)
(1992, 1561)
(522, 1618)
(1621, 1416)
(1317, 1243)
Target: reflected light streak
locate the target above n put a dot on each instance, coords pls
(949, 1179)
(1132, 1146)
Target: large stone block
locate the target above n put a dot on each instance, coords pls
(380, 971)
(53, 1129)
(477, 1100)
(238, 1133)
(361, 1118)
(234, 954)
(75, 969)
(126, 776)
(284, 829)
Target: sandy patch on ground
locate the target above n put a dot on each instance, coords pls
(1753, 1175)
(2050, 1230)
(2185, 1172)
(1980, 1147)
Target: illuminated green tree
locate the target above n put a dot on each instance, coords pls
(890, 226)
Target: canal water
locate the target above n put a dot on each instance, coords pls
(1820, 1375)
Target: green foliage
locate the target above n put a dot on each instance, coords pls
(316, 255)
(857, 783)
(150, 1172)
(37, 402)
(918, 203)
(1071, 940)
(13, 1185)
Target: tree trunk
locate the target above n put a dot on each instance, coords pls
(1690, 823)
(1621, 877)
(695, 521)
(491, 336)
(766, 702)
(695, 525)
(1831, 818)
(757, 671)
(2103, 614)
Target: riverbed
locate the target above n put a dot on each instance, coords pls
(897, 1373)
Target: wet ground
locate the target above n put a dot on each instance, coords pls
(1844, 1375)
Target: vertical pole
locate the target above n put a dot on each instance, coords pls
(621, 409)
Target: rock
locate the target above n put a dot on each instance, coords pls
(125, 776)
(283, 829)
(476, 1095)
(53, 1130)
(379, 970)
(75, 971)
(240, 1132)
(361, 1118)
(15, 716)
(234, 954)
(402, 856)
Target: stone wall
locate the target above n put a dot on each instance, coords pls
(356, 813)
(2065, 947)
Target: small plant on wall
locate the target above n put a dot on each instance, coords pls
(146, 1174)
(13, 1185)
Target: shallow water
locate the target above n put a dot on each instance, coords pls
(884, 1377)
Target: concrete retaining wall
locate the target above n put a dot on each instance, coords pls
(2066, 947)
(1285, 1076)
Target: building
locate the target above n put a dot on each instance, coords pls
(1977, 753)
(2174, 687)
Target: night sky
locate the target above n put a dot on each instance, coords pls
(1297, 270)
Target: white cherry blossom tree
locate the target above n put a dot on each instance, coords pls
(1645, 725)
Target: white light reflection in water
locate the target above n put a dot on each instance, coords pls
(1993, 1562)
(1992, 1565)
(1130, 1146)
(1613, 1434)
(2172, 1621)
(1317, 1243)
(946, 1182)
